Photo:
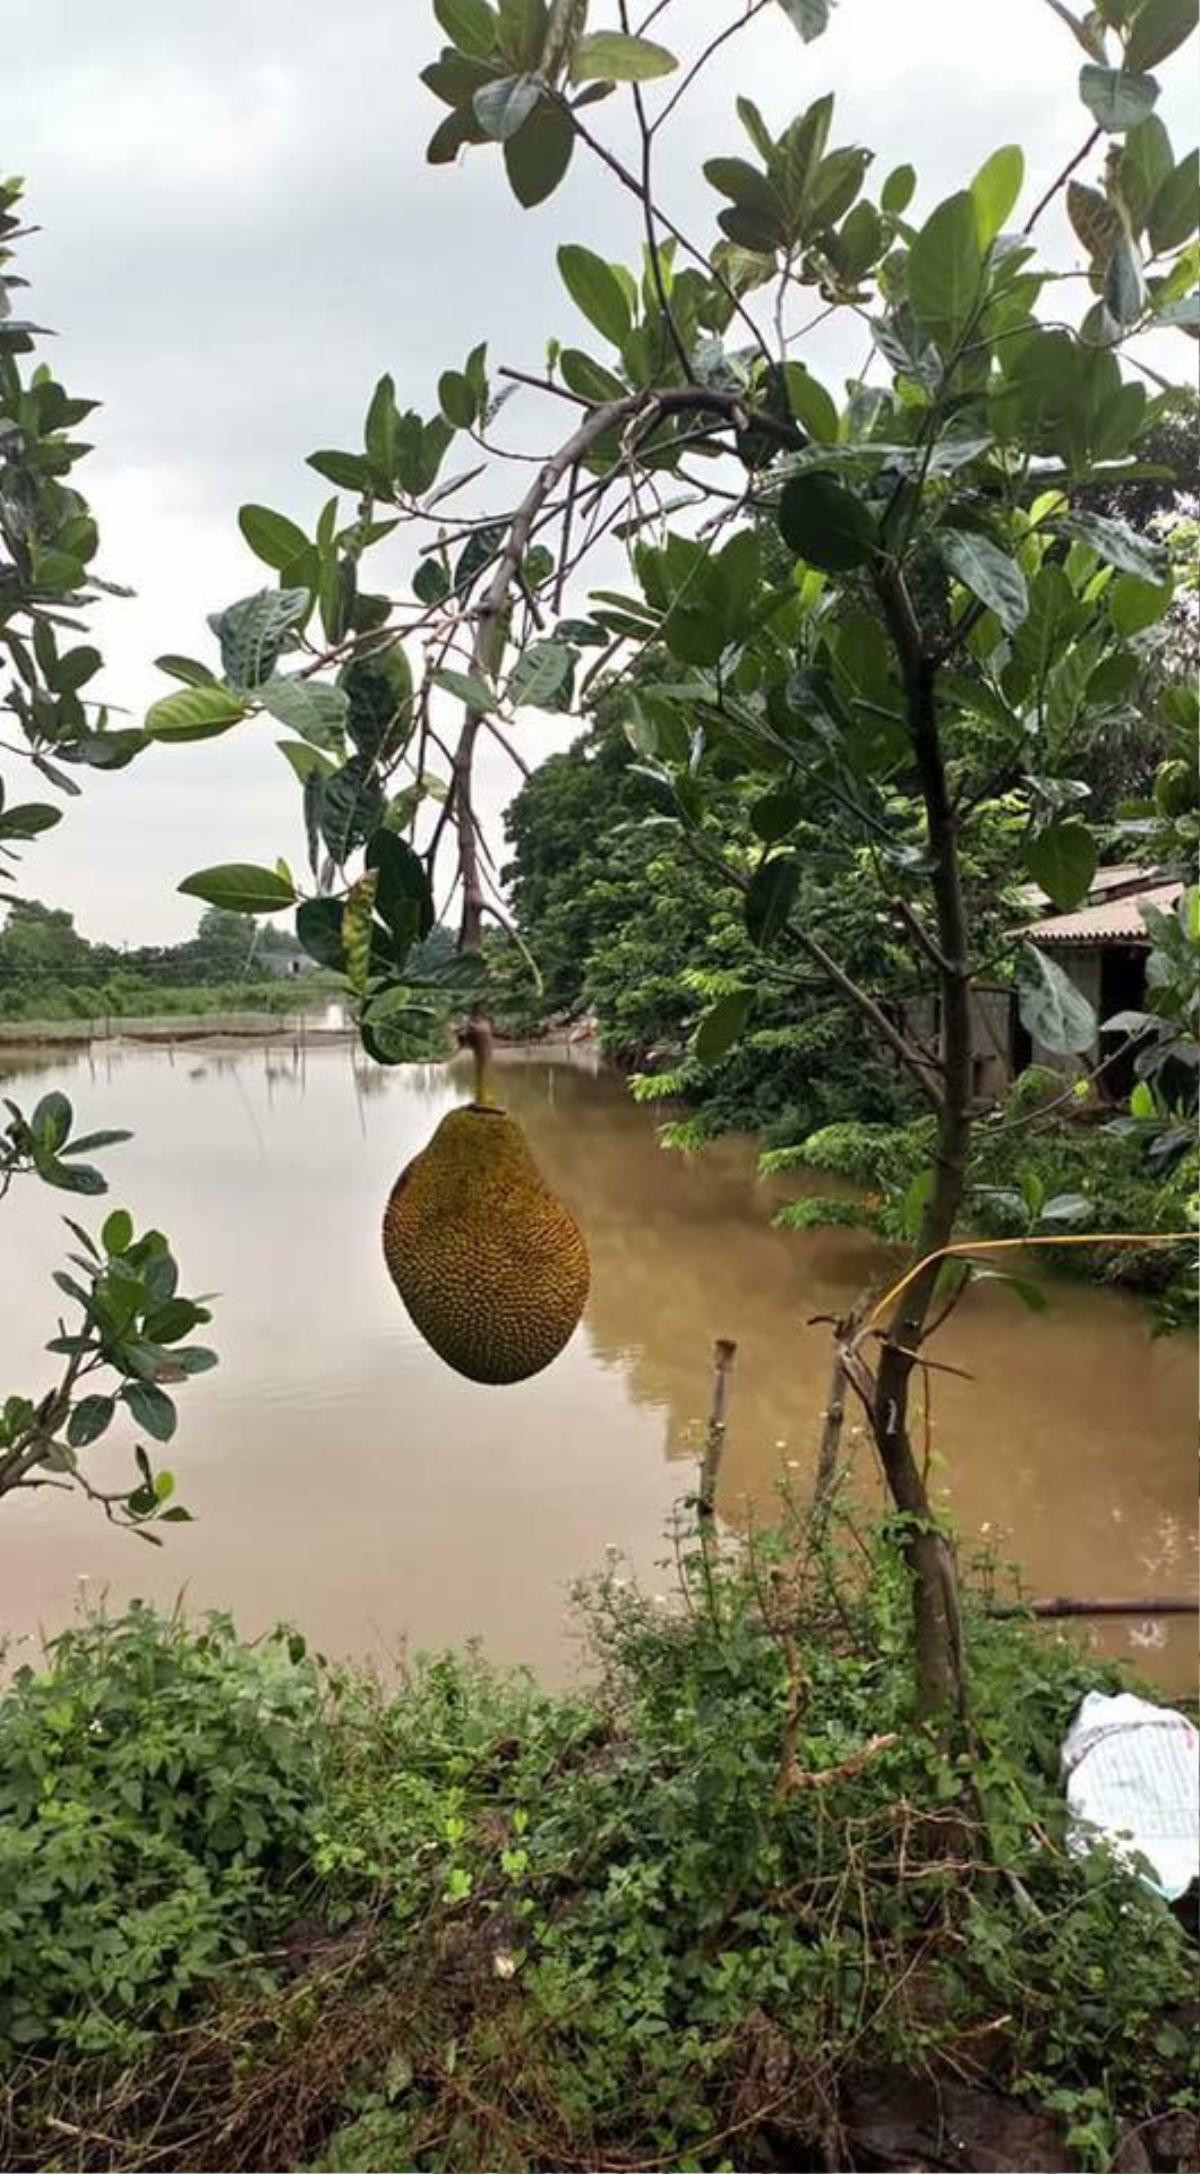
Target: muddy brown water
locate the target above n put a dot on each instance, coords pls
(341, 1477)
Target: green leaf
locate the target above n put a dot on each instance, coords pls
(116, 1232)
(1052, 1009)
(1175, 212)
(305, 761)
(721, 1026)
(945, 271)
(1124, 285)
(379, 690)
(431, 582)
(350, 808)
(809, 17)
(319, 929)
(538, 674)
(825, 524)
(995, 190)
(537, 157)
(1119, 545)
(255, 631)
(1117, 98)
(151, 1407)
(310, 707)
(988, 572)
(28, 818)
(466, 687)
(240, 887)
(1063, 860)
(379, 434)
(71, 1178)
(1142, 166)
(402, 893)
(1093, 218)
(595, 289)
(897, 191)
(199, 713)
(469, 24)
(272, 537)
(456, 399)
(751, 190)
(1158, 28)
(777, 813)
(89, 1419)
(75, 668)
(1134, 605)
(501, 108)
(51, 1122)
(350, 471)
(193, 1359)
(611, 56)
(811, 405)
(770, 898)
(187, 669)
(589, 379)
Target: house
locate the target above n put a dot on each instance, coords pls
(1102, 947)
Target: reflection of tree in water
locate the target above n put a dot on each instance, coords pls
(683, 1251)
(21, 1064)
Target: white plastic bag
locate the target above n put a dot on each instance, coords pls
(1132, 1778)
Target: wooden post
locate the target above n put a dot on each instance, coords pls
(706, 1499)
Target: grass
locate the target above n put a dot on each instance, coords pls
(145, 997)
(671, 1920)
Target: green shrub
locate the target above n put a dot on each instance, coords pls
(565, 1930)
(158, 1790)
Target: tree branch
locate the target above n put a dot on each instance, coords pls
(1060, 181)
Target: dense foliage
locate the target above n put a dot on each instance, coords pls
(461, 1924)
(627, 926)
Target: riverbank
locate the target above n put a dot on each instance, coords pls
(729, 1907)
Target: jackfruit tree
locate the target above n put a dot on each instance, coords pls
(886, 604)
(123, 1343)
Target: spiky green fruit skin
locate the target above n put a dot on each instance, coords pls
(492, 1269)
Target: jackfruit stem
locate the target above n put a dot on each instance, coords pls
(478, 1039)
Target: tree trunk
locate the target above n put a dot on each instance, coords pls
(938, 1624)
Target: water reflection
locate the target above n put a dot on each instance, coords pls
(342, 1475)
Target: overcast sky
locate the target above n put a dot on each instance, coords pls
(240, 233)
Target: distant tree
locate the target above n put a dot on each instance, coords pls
(39, 942)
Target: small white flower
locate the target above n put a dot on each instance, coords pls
(504, 1966)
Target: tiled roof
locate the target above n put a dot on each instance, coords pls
(1112, 921)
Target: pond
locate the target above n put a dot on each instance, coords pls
(342, 1477)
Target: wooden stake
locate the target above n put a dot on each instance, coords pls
(723, 1356)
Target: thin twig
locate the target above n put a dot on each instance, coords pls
(1060, 180)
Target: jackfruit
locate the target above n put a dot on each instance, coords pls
(492, 1269)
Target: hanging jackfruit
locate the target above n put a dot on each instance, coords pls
(491, 1268)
